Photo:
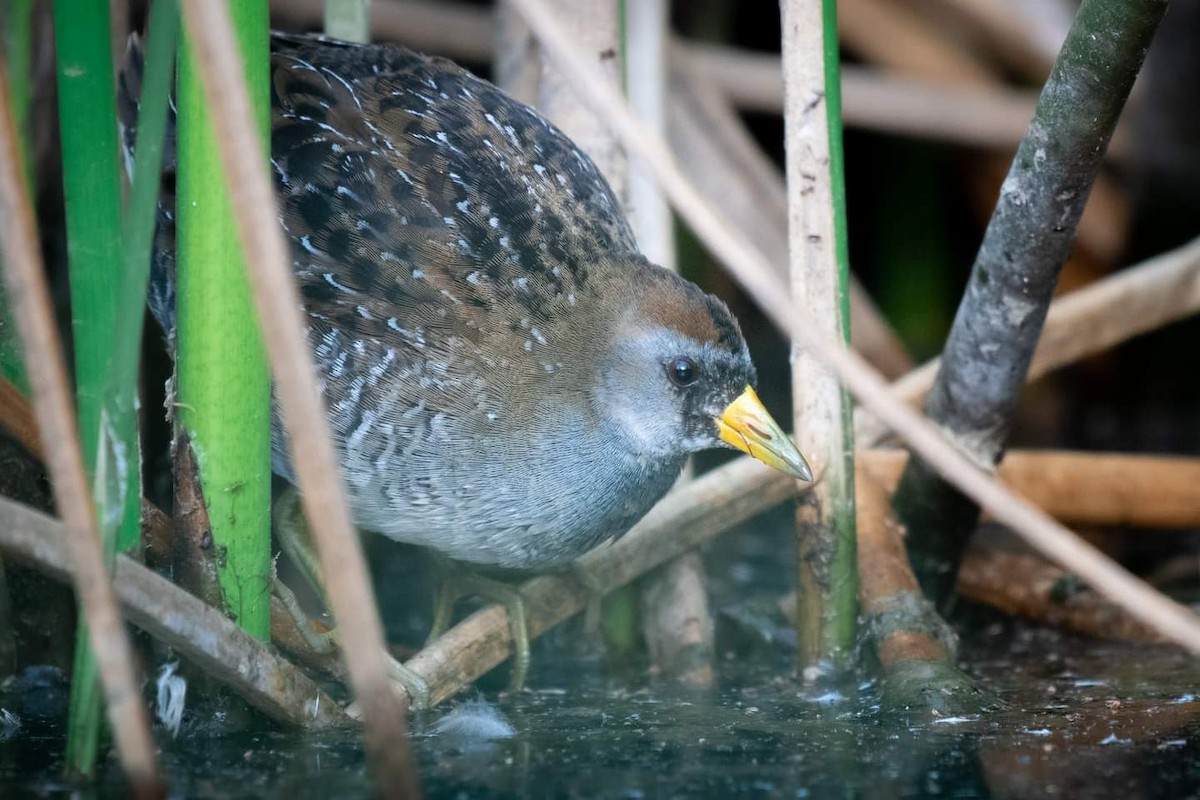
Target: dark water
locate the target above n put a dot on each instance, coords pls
(1080, 719)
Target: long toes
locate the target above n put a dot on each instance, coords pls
(415, 685)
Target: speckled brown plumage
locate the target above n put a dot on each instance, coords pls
(495, 354)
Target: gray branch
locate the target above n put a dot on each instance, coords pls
(1027, 240)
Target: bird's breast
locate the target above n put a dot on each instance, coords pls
(521, 499)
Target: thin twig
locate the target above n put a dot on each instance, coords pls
(194, 629)
(347, 583)
(755, 275)
(30, 298)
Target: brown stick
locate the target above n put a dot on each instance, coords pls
(1087, 488)
(346, 581)
(1024, 585)
(916, 648)
(886, 581)
(29, 297)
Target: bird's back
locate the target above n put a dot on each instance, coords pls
(447, 242)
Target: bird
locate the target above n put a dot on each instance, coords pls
(508, 381)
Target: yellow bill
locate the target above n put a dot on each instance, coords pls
(746, 425)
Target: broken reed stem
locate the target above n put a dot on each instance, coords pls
(25, 278)
(1078, 488)
(1027, 241)
(819, 266)
(347, 583)
(193, 629)
(915, 647)
(755, 275)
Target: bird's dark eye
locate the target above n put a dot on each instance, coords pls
(683, 371)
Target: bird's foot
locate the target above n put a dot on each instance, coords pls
(322, 642)
(414, 685)
(292, 533)
(461, 582)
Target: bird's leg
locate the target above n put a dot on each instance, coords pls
(456, 581)
(444, 598)
(595, 596)
(321, 642)
(291, 529)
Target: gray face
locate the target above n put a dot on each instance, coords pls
(663, 389)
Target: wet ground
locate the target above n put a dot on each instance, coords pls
(1081, 719)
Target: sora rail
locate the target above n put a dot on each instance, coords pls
(508, 381)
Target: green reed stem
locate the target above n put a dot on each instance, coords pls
(223, 384)
(107, 416)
